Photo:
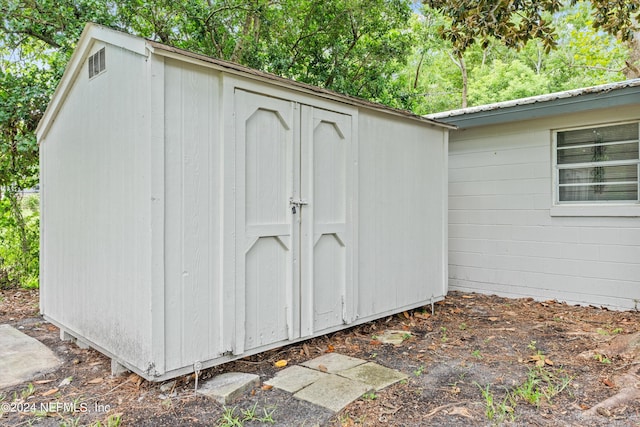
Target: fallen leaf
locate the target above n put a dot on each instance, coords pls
(608, 382)
(65, 381)
(305, 348)
(330, 349)
(422, 315)
(43, 381)
(50, 392)
(95, 381)
(322, 368)
(267, 386)
(463, 412)
(584, 406)
(280, 363)
(406, 314)
(467, 296)
(493, 319)
(375, 342)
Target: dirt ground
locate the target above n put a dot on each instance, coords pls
(479, 360)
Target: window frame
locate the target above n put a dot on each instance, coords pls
(590, 207)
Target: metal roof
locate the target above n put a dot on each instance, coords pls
(576, 100)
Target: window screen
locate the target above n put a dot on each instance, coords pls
(598, 164)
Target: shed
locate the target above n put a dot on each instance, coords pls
(195, 211)
(544, 198)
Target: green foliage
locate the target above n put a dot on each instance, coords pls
(19, 241)
(515, 23)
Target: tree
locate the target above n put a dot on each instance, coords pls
(352, 46)
(515, 22)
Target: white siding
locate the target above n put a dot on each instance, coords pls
(401, 225)
(193, 303)
(502, 237)
(96, 255)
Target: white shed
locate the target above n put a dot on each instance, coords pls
(544, 197)
(195, 211)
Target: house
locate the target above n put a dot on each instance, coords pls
(544, 197)
(195, 211)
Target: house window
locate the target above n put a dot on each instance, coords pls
(598, 164)
(97, 63)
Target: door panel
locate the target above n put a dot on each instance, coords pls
(264, 231)
(325, 240)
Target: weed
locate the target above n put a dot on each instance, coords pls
(617, 331)
(529, 390)
(231, 418)
(28, 391)
(462, 326)
(73, 422)
(114, 420)
(532, 345)
(374, 337)
(602, 358)
(406, 336)
(373, 355)
(443, 332)
(497, 412)
(542, 383)
(419, 371)
(476, 354)
(370, 396)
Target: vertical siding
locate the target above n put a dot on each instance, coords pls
(96, 234)
(192, 234)
(502, 237)
(402, 171)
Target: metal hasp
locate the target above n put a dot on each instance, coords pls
(296, 204)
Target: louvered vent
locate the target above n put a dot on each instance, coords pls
(97, 63)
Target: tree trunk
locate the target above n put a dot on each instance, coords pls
(465, 80)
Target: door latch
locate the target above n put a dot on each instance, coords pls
(296, 203)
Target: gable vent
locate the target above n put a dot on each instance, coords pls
(97, 63)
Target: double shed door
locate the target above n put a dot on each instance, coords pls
(293, 228)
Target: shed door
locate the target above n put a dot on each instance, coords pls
(291, 264)
(326, 233)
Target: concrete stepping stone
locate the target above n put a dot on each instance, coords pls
(374, 375)
(22, 358)
(226, 387)
(333, 392)
(333, 362)
(295, 378)
(393, 337)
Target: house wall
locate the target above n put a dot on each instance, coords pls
(503, 238)
(95, 247)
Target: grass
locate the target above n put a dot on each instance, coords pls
(542, 384)
(231, 417)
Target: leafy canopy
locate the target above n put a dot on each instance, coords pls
(515, 22)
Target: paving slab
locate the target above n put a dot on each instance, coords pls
(22, 358)
(333, 392)
(394, 337)
(374, 375)
(295, 378)
(333, 362)
(228, 386)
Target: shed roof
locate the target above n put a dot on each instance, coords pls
(577, 100)
(95, 32)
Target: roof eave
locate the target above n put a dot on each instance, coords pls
(575, 104)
